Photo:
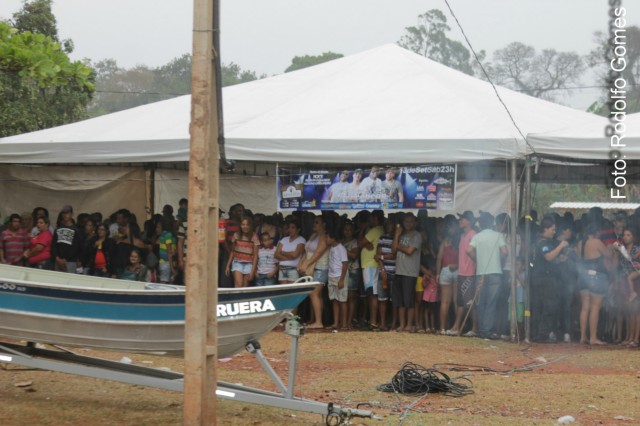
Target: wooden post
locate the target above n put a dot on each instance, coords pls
(200, 353)
(527, 255)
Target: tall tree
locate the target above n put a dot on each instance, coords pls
(429, 38)
(299, 62)
(118, 88)
(36, 17)
(519, 67)
(122, 88)
(39, 86)
(233, 74)
(175, 76)
(599, 59)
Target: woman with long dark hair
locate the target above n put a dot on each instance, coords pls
(101, 253)
(39, 252)
(630, 285)
(316, 263)
(243, 260)
(593, 282)
(447, 270)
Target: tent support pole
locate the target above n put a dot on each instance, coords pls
(513, 248)
(151, 184)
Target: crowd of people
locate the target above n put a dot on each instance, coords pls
(90, 244)
(378, 272)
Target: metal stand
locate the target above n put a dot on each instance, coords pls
(65, 361)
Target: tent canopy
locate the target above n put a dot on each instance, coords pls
(384, 105)
(589, 142)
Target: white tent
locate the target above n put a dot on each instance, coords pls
(384, 105)
(589, 142)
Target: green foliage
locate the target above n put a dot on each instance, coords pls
(546, 194)
(121, 88)
(175, 76)
(429, 38)
(233, 74)
(36, 17)
(300, 62)
(519, 67)
(39, 86)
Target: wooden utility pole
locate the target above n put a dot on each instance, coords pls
(201, 333)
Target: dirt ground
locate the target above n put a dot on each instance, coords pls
(513, 384)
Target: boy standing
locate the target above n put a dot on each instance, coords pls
(267, 263)
(338, 291)
(66, 245)
(168, 243)
(13, 242)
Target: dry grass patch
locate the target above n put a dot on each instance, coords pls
(594, 385)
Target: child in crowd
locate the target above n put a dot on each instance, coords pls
(168, 242)
(354, 274)
(427, 299)
(244, 254)
(183, 206)
(338, 290)
(430, 302)
(267, 263)
(135, 269)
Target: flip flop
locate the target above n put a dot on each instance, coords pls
(315, 327)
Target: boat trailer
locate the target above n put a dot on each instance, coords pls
(65, 361)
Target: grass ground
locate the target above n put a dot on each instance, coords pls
(513, 384)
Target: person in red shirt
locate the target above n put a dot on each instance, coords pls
(13, 242)
(39, 252)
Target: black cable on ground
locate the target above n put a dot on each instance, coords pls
(466, 368)
(414, 379)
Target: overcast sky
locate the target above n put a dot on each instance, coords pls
(264, 35)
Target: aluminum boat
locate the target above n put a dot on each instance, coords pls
(65, 309)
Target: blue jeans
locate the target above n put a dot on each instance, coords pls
(262, 280)
(288, 273)
(488, 303)
(321, 275)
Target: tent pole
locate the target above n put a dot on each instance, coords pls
(513, 248)
(527, 246)
(151, 183)
(200, 352)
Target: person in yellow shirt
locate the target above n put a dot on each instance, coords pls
(378, 296)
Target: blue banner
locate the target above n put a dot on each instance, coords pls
(405, 187)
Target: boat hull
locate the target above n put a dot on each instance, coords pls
(101, 313)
